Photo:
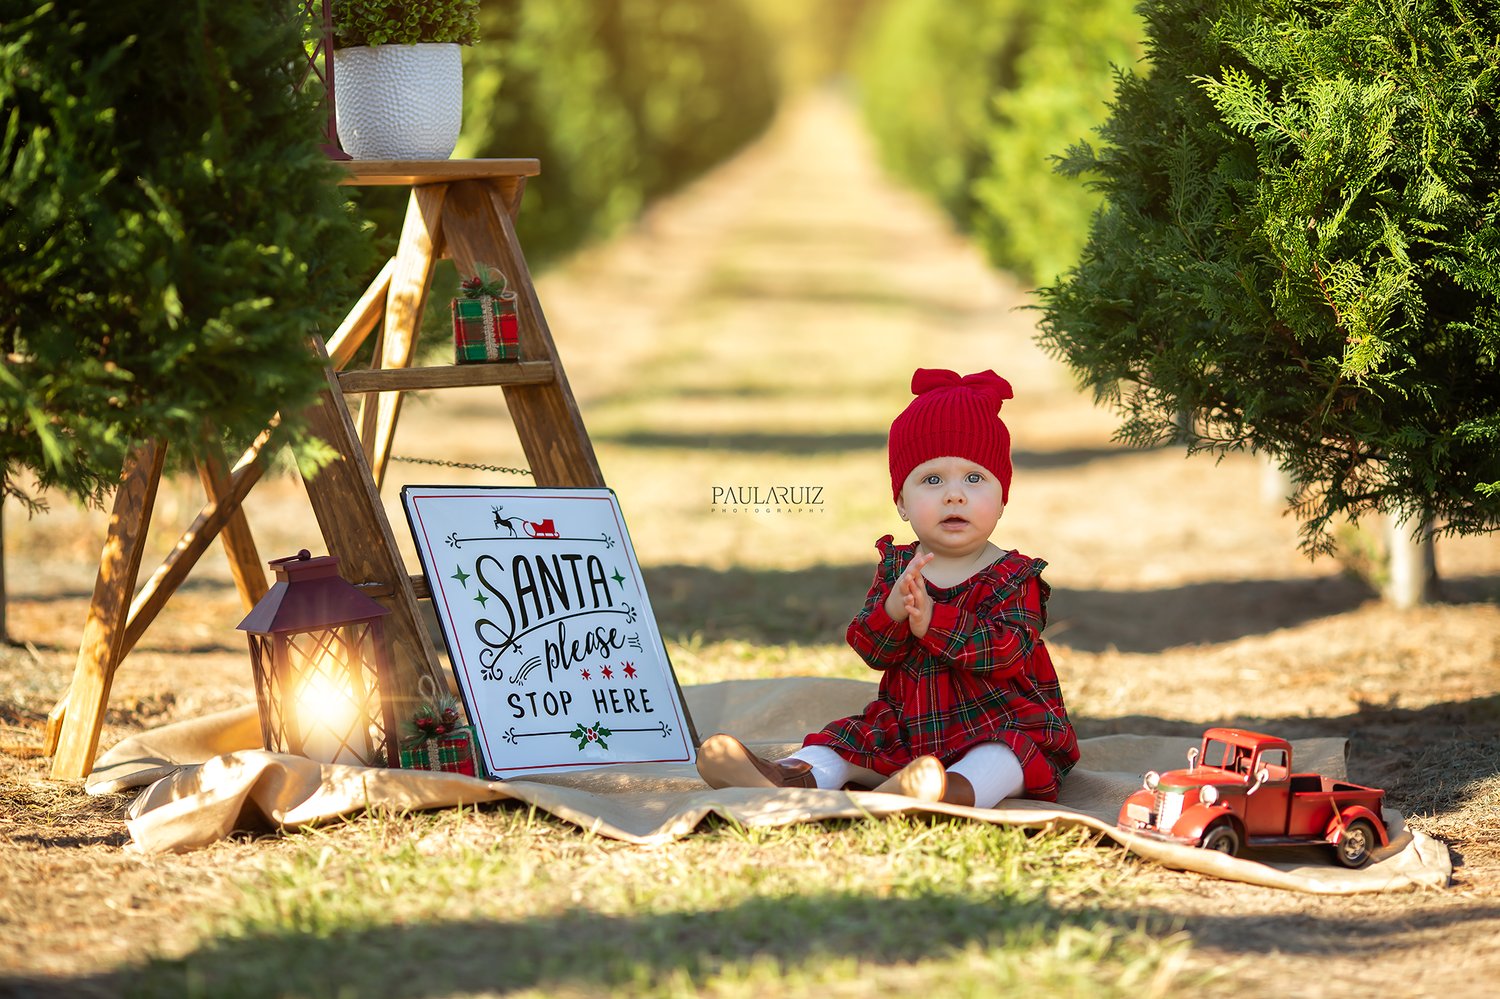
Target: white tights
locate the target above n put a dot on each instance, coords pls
(991, 768)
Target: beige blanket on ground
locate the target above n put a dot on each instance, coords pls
(206, 780)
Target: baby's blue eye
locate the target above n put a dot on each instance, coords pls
(932, 480)
(976, 477)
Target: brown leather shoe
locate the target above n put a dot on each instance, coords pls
(723, 761)
(923, 778)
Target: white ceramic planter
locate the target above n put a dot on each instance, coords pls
(399, 102)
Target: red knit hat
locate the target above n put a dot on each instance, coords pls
(952, 416)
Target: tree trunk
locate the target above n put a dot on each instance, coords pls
(1412, 565)
(4, 628)
(1275, 484)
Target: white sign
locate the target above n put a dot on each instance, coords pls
(548, 628)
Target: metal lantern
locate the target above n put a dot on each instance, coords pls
(318, 649)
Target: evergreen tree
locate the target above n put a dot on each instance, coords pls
(1298, 250)
(170, 234)
(971, 103)
(1031, 220)
(622, 100)
(928, 71)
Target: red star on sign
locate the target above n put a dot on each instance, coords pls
(606, 672)
(630, 670)
(584, 674)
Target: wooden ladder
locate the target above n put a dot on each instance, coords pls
(460, 209)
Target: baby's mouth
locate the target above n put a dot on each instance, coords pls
(954, 521)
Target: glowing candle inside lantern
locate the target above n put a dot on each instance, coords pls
(330, 714)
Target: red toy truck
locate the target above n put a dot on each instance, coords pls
(1239, 790)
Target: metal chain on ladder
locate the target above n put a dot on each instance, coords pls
(461, 464)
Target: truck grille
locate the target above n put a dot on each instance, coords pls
(1168, 809)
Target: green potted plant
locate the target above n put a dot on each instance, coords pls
(398, 75)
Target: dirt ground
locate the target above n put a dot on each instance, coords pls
(1180, 596)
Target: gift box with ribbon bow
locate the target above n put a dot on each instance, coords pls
(434, 739)
(485, 326)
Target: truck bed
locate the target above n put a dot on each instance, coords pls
(1311, 783)
(1313, 799)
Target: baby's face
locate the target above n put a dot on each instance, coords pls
(953, 505)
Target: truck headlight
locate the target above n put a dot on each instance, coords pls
(1152, 779)
(1209, 794)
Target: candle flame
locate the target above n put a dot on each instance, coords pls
(330, 708)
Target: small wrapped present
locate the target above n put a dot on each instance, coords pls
(452, 753)
(485, 327)
(434, 739)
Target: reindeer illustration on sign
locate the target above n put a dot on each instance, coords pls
(509, 523)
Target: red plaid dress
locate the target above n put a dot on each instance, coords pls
(980, 674)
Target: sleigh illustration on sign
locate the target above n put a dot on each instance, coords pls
(542, 529)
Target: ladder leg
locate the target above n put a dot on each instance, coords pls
(366, 315)
(477, 229)
(361, 319)
(104, 631)
(53, 732)
(416, 255)
(239, 544)
(355, 528)
(192, 544)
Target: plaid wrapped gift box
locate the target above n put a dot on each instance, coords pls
(485, 329)
(452, 752)
(434, 739)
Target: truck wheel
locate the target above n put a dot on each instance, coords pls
(1222, 838)
(1354, 847)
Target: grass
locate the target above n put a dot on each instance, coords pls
(502, 900)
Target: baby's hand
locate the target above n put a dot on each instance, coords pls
(918, 605)
(896, 601)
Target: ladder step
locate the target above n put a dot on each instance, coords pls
(405, 173)
(446, 376)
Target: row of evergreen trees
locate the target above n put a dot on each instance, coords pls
(1297, 245)
(973, 102)
(623, 101)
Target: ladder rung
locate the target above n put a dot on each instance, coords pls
(419, 584)
(407, 172)
(445, 376)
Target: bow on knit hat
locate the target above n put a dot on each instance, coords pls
(952, 416)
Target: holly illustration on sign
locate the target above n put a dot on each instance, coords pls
(593, 733)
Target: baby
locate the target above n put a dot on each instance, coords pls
(969, 710)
